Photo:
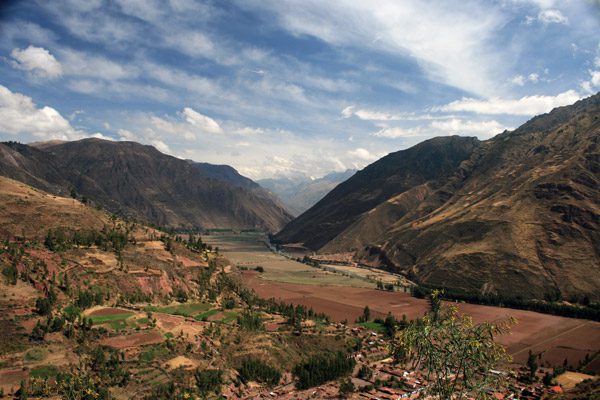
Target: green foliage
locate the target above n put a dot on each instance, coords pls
(80, 385)
(346, 387)
(455, 354)
(366, 315)
(11, 274)
(106, 362)
(208, 381)
(44, 372)
(322, 368)
(250, 321)
(43, 306)
(254, 369)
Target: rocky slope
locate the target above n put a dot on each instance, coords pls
(135, 180)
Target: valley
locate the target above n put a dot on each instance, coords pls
(555, 338)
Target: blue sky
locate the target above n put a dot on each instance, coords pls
(278, 88)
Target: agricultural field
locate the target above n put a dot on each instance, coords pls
(248, 251)
(556, 338)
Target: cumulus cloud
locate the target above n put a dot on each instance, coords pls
(528, 105)
(20, 117)
(202, 122)
(591, 85)
(36, 60)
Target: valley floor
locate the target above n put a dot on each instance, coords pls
(344, 298)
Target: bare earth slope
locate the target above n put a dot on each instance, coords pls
(139, 181)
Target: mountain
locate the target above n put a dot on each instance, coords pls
(520, 214)
(430, 161)
(134, 180)
(301, 193)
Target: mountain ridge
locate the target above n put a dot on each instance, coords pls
(137, 180)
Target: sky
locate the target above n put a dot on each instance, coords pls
(280, 88)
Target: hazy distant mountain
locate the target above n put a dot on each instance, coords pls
(520, 215)
(136, 180)
(300, 193)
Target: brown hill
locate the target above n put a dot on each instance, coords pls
(135, 180)
(520, 217)
(430, 161)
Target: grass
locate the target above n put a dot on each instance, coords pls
(230, 316)
(102, 319)
(35, 355)
(374, 326)
(118, 325)
(186, 309)
(152, 352)
(205, 315)
(44, 372)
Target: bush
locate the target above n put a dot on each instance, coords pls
(253, 369)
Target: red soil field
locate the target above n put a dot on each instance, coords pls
(558, 338)
(134, 340)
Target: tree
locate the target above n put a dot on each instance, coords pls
(532, 364)
(366, 316)
(435, 303)
(455, 354)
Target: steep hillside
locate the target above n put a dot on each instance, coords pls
(524, 214)
(520, 215)
(433, 160)
(299, 194)
(138, 181)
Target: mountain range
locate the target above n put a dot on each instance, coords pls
(518, 213)
(138, 181)
(299, 193)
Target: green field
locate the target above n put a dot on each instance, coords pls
(44, 372)
(102, 319)
(185, 309)
(374, 326)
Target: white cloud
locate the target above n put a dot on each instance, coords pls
(449, 126)
(552, 17)
(202, 122)
(528, 105)
(77, 63)
(37, 61)
(520, 80)
(451, 42)
(481, 129)
(19, 116)
(591, 85)
(362, 154)
(397, 132)
(161, 146)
